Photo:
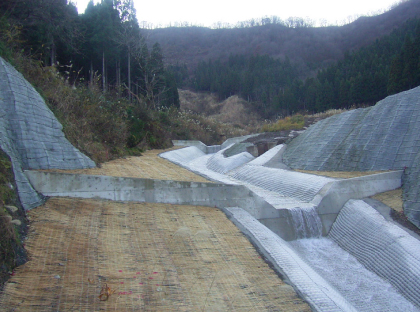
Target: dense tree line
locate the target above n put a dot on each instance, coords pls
(390, 65)
(257, 78)
(103, 45)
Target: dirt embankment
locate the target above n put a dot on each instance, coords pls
(233, 110)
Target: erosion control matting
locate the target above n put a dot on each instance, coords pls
(141, 257)
(147, 166)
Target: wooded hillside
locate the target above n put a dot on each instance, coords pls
(132, 74)
(363, 77)
(104, 43)
(278, 38)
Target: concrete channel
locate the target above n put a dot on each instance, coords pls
(272, 207)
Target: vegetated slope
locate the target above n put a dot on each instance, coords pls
(323, 45)
(12, 222)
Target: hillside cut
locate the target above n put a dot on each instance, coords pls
(381, 137)
(31, 135)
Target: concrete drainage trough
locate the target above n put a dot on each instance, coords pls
(261, 209)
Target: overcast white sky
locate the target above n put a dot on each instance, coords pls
(207, 13)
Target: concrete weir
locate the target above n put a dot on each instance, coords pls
(314, 232)
(283, 191)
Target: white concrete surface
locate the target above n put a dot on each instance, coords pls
(285, 189)
(380, 246)
(310, 285)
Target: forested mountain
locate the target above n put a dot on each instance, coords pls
(104, 42)
(390, 65)
(293, 38)
(281, 67)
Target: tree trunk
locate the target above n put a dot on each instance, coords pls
(103, 72)
(129, 75)
(53, 54)
(91, 74)
(118, 75)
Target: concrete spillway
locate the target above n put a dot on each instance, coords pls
(337, 252)
(286, 221)
(285, 190)
(363, 262)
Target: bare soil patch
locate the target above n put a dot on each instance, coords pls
(392, 199)
(233, 110)
(341, 174)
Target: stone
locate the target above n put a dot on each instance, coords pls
(16, 222)
(11, 208)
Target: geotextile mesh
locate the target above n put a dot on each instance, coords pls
(91, 255)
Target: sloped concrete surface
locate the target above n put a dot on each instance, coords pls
(313, 288)
(297, 185)
(221, 164)
(380, 246)
(31, 135)
(382, 137)
(362, 288)
(289, 192)
(328, 277)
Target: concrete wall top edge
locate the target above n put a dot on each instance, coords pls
(35, 174)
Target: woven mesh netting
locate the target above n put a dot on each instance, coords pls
(91, 255)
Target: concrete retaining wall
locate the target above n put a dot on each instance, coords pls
(333, 196)
(31, 135)
(329, 200)
(149, 190)
(382, 137)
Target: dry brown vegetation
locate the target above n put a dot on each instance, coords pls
(12, 223)
(233, 111)
(106, 126)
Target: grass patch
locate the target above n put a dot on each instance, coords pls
(295, 122)
(329, 113)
